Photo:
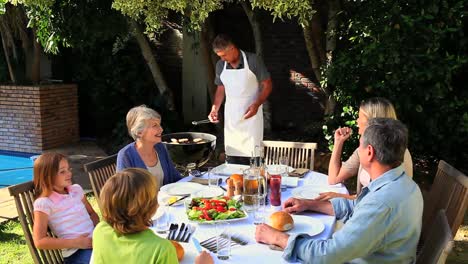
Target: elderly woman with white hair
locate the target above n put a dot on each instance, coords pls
(147, 152)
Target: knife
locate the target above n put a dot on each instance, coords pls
(180, 199)
(197, 245)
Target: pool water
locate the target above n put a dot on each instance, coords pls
(15, 169)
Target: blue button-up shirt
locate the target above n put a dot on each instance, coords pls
(382, 226)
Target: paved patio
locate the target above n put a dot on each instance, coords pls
(78, 154)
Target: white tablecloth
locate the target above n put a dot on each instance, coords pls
(254, 252)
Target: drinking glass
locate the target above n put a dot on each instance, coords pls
(284, 163)
(223, 240)
(251, 180)
(275, 190)
(162, 219)
(212, 181)
(259, 211)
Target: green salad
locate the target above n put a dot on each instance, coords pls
(219, 208)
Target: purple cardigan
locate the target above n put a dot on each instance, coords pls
(128, 157)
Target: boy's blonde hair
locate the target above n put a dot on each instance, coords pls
(129, 200)
(46, 167)
(378, 107)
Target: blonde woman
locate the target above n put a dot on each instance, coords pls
(147, 152)
(128, 201)
(338, 171)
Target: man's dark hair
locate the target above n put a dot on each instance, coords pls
(221, 42)
(389, 138)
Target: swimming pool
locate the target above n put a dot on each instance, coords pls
(15, 169)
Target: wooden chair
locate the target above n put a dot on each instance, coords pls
(301, 155)
(99, 171)
(24, 198)
(439, 242)
(448, 192)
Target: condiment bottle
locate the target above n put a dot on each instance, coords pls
(230, 187)
(238, 190)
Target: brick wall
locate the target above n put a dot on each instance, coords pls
(36, 118)
(295, 98)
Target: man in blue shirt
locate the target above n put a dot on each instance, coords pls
(381, 226)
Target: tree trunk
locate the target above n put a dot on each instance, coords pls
(318, 36)
(7, 58)
(153, 65)
(312, 52)
(333, 9)
(205, 48)
(36, 63)
(257, 32)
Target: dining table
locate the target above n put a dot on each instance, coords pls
(255, 252)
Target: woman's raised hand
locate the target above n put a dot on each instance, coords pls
(342, 134)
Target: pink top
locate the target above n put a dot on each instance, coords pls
(68, 217)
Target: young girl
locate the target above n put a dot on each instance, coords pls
(63, 207)
(129, 200)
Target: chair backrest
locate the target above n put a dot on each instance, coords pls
(99, 171)
(301, 155)
(24, 198)
(439, 242)
(448, 192)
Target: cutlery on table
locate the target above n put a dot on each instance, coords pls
(190, 231)
(177, 238)
(172, 231)
(178, 200)
(197, 245)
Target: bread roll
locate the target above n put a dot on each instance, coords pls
(281, 221)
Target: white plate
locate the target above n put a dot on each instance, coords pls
(306, 225)
(208, 192)
(310, 192)
(277, 167)
(165, 200)
(181, 188)
(229, 169)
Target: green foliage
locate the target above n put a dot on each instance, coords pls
(347, 117)
(41, 19)
(2, 6)
(155, 13)
(300, 9)
(414, 53)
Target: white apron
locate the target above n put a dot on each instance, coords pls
(242, 89)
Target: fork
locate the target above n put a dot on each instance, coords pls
(210, 244)
(172, 230)
(181, 231)
(191, 230)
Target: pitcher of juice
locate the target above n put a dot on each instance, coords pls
(251, 187)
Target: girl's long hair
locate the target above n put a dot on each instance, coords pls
(46, 167)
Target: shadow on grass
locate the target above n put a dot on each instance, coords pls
(11, 237)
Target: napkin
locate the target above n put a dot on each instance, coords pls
(298, 173)
(205, 181)
(289, 181)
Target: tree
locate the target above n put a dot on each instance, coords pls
(320, 40)
(154, 15)
(13, 26)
